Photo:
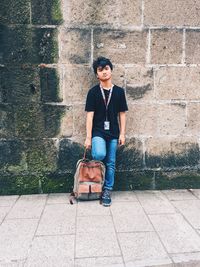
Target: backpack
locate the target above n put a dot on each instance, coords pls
(88, 179)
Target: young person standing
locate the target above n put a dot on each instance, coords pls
(105, 122)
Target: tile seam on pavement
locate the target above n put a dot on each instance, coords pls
(75, 236)
(118, 241)
(10, 210)
(179, 212)
(156, 232)
(39, 219)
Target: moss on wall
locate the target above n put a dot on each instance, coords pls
(46, 12)
(15, 12)
(22, 44)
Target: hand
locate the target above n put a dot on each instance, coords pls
(88, 143)
(121, 139)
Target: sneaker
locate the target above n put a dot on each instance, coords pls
(106, 198)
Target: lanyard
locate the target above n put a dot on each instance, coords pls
(104, 98)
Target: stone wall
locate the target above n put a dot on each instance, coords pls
(154, 46)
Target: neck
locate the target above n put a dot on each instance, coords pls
(106, 84)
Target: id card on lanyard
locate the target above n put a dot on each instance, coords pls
(106, 122)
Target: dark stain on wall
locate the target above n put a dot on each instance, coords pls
(138, 91)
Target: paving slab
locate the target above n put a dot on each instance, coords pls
(179, 194)
(196, 192)
(154, 202)
(142, 249)
(58, 198)
(186, 257)
(97, 245)
(191, 211)
(51, 251)
(130, 217)
(14, 263)
(15, 238)
(3, 212)
(7, 201)
(57, 219)
(91, 224)
(122, 196)
(182, 264)
(91, 208)
(176, 234)
(100, 262)
(141, 228)
(28, 206)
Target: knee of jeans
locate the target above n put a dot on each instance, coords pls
(110, 164)
(98, 155)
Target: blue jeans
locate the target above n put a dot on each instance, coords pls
(105, 150)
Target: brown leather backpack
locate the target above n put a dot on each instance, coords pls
(88, 179)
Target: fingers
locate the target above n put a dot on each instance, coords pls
(87, 145)
(121, 142)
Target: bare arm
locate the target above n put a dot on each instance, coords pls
(89, 124)
(122, 122)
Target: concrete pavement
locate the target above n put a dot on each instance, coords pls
(141, 228)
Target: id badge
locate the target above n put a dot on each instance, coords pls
(106, 125)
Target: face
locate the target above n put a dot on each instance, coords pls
(104, 74)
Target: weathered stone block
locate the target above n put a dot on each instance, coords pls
(141, 120)
(133, 180)
(69, 153)
(171, 152)
(41, 156)
(166, 46)
(10, 153)
(193, 118)
(77, 80)
(37, 121)
(49, 82)
(45, 44)
(5, 94)
(58, 183)
(124, 13)
(118, 75)
(58, 120)
(15, 44)
(177, 83)
(7, 123)
(15, 12)
(29, 121)
(178, 13)
(79, 120)
(25, 45)
(19, 84)
(72, 47)
(46, 12)
(122, 47)
(12, 184)
(66, 125)
(139, 83)
(130, 156)
(171, 119)
(177, 179)
(192, 47)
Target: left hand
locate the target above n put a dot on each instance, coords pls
(121, 140)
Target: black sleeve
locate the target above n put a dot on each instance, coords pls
(123, 104)
(90, 101)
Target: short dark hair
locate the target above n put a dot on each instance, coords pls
(101, 62)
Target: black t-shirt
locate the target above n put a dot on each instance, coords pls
(95, 102)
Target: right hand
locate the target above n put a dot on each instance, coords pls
(88, 143)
